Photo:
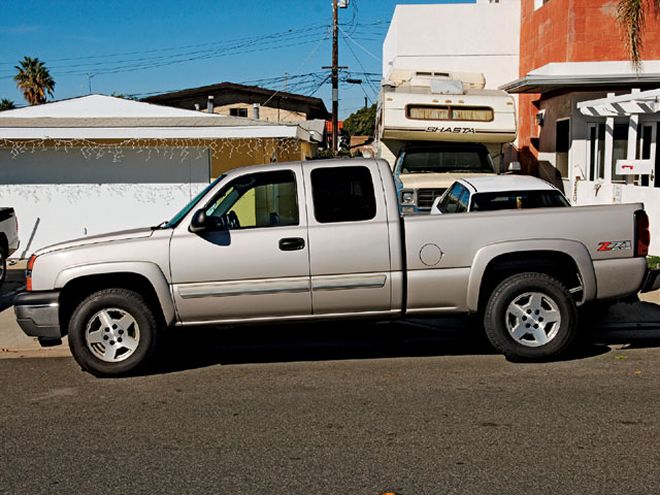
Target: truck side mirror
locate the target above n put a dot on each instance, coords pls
(514, 167)
(199, 222)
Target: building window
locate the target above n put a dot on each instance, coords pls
(645, 149)
(562, 140)
(238, 112)
(619, 149)
(596, 151)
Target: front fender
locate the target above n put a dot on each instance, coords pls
(150, 271)
(574, 249)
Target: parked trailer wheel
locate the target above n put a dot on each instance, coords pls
(112, 332)
(531, 316)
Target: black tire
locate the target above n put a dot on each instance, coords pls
(114, 303)
(3, 265)
(510, 306)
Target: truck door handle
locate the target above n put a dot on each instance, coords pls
(292, 243)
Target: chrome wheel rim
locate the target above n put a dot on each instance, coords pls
(112, 335)
(533, 319)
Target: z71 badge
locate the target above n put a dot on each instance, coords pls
(614, 245)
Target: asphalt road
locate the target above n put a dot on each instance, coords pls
(296, 414)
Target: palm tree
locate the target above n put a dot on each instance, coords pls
(6, 104)
(631, 15)
(34, 80)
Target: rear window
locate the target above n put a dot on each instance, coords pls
(450, 112)
(512, 200)
(343, 194)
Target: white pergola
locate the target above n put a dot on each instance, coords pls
(632, 106)
(635, 103)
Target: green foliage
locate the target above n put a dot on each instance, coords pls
(6, 104)
(631, 15)
(362, 122)
(653, 261)
(34, 80)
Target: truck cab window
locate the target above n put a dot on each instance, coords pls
(343, 194)
(266, 199)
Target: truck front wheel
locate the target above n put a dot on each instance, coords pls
(112, 332)
(531, 316)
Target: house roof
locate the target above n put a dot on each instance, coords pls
(585, 75)
(108, 117)
(226, 93)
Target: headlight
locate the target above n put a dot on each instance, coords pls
(407, 197)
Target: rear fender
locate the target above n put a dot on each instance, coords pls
(574, 249)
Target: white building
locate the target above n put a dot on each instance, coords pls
(483, 37)
(95, 164)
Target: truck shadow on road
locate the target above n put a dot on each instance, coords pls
(191, 348)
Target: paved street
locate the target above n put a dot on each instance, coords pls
(295, 413)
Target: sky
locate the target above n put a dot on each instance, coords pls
(144, 47)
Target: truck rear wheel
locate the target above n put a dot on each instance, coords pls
(531, 316)
(112, 332)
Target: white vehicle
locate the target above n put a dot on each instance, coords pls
(441, 126)
(504, 192)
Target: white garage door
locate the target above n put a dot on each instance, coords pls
(60, 196)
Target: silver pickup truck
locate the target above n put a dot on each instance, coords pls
(325, 240)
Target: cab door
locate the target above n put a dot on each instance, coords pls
(252, 261)
(349, 243)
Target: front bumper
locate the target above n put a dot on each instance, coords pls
(651, 281)
(38, 314)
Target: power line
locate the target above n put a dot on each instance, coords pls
(350, 48)
(169, 61)
(308, 28)
(361, 47)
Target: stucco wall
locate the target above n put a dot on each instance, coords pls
(246, 152)
(59, 196)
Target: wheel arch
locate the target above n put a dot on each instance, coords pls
(568, 261)
(76, 283)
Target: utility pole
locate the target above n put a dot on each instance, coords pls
(335, 77)
(335, 71)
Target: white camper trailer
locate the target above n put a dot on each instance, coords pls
(441, 126)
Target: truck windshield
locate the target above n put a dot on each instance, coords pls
(186, 209)
(443, 159)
